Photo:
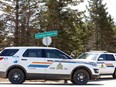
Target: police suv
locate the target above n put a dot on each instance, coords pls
(105, 60)
(45, 63)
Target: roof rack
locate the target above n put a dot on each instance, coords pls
(98, 51)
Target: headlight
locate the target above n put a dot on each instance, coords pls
(93, 64)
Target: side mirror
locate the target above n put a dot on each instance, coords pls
(100, 59)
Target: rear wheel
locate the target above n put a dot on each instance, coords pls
(16, 76)
(80, 77)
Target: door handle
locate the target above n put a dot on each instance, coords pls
(50, 60)
(24, 59)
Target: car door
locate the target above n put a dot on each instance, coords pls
(106, 63)
(33, 61)
(56, 62)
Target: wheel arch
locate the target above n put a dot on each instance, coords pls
(81, 67)
(114, 70)
(16, 66)
(114, 73)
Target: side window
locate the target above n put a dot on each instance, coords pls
(8, 52)
(51, 53)
(102, 57)
(110, 57)
(32, 53)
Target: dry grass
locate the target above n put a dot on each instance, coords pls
(3, 80)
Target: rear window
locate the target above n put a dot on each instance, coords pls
(33, 53)
(8, 52)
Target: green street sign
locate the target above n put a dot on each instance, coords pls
(46, 34)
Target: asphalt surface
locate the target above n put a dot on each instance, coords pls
(104, 81)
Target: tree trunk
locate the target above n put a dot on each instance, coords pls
(16, 24)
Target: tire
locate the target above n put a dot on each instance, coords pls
(16, 76)
(114, 74)
(80, 77)
(72, 81)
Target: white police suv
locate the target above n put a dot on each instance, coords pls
(105, 60)
(23, 63)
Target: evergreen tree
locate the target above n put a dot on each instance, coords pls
(4, 34)
(19, 17)
(68, 22)
(1, 34)
(102, 25)
(24, 18)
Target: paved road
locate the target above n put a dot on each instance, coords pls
(106, 81)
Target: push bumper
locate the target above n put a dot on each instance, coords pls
(95, 77)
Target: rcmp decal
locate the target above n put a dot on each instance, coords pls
(6, 59)
(60, 66)
(106, 65)
(16, 59)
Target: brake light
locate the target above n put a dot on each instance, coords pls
(1, 58)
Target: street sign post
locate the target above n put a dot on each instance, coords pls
(47, 41)
(46, 34)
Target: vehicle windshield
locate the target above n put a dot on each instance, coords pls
(88, 56)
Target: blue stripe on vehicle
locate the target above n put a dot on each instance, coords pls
(110, 66)
(69, 62)
(40, 66)
(65, 61)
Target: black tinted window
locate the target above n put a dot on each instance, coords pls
(107, 57)
(55, 54)
(8, 52)
(33, 53)
(103, 57)
(110, 57)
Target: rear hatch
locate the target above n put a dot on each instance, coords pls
(6, 57)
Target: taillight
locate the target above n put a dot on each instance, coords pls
(1, 58)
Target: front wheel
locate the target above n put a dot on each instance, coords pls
(80, 77)
(16, 76)
(114, 74)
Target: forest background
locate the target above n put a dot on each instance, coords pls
(78, 32)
